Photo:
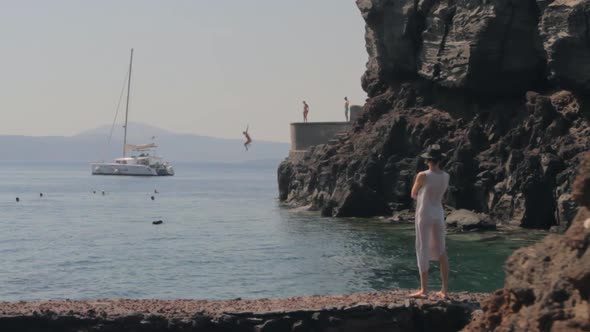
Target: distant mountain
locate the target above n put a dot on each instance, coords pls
(137, 131)
(93, 145)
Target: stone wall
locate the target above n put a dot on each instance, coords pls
(306, 135)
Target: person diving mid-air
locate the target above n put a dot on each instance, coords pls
(248, 139)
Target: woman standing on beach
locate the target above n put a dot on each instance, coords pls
(305, 111)
(428, 191)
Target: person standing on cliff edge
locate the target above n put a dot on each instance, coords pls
(305, 111)
(428, 191)
(346, 104)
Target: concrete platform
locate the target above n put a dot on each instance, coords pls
(307, 134)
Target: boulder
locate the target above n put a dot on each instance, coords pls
(465, 220)
(402, 217)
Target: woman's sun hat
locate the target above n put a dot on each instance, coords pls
(433, 152)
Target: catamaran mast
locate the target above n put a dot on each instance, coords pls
(127, 107)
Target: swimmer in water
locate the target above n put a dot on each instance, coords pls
(248, 139)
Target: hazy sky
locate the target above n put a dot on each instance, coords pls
(201, 67)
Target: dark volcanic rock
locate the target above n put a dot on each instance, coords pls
(396, 22)
(493, 47)
(456, 73)
(547, 285)
(510, 160)
(565, 28)
(490, 47)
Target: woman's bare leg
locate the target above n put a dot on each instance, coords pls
(444, 274)
(423, 286)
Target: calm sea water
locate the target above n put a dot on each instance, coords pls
(225, 235)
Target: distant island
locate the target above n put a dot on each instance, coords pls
(93, 145)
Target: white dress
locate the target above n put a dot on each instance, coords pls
(430, 219)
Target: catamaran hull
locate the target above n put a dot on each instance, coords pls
(165, 171)
(138, 170)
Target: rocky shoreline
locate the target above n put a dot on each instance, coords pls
(376, 311)
(547, 285)
(485, 80)
(502, 86)
(547, 288)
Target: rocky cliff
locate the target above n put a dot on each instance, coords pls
(501, 85)
(547, 285)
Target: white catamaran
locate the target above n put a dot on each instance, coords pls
(145, 164)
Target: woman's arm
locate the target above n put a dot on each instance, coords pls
(420, 179)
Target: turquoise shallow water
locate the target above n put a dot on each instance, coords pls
(225, 235)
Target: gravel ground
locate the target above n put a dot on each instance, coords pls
(182, 308)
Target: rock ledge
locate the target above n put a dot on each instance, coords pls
(377, 311)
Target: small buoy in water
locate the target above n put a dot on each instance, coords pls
(17, 199)
(103, 193)
(40, 194)
(155, 191)
(94, 191)
(157, 222)
(153, 198)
